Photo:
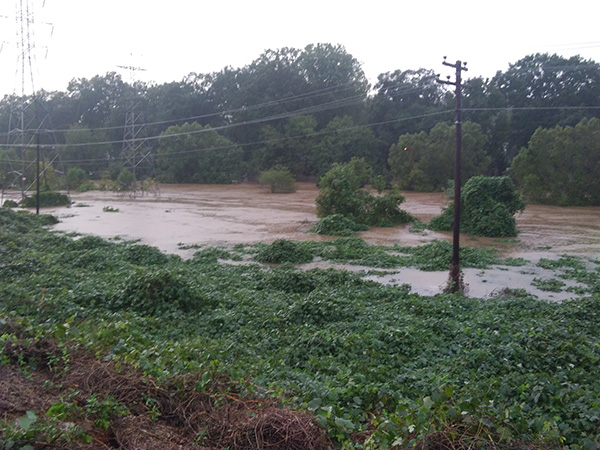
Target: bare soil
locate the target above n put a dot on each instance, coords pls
(169, 416)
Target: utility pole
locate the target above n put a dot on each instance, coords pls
(37, 176)
(456, 282)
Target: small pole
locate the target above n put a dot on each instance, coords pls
(456, 283)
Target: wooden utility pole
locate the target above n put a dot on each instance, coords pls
(37, 175)
(456, 283)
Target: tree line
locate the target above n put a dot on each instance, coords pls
(307, 109)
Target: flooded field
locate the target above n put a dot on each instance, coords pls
(247, 213)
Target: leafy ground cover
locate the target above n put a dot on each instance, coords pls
(376, 366)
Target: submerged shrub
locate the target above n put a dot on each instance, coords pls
(47, 198)
(342, 193)
(437, 255)
(488, 208)
(279, 179)
(282, 251)
(337, 225)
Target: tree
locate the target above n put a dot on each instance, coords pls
(86, 149)
(191, 153)
(341, 193)
(424, 162)
(405, 102)
(561, 165)
(488, 105)
(279, 179)
(292, 147)
(341, 141)
(75, 177)
(552, 90)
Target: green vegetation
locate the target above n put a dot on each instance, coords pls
(125, 180)
(279, 179)
(424, 162)
(488, 208)
(309, 108)
(337, 225)
(342, 193)
(75, 178)
(192, 153)
(47, 198)
(561, 165)
(283, 251)
(375, 364)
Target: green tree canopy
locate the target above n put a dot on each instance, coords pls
(425, 162)
(561, 165)
(291, 147)
(406, 102)
(86, 149)
(343, 140)
(191, 153)
(551, 89)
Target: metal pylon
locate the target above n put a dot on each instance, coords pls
(137, 157)
(29, 121)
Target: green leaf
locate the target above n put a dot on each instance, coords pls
(314, 404)
(26, 421)
(428, 403)
(344, 423)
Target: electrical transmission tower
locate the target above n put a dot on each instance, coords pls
(137, 157)
(28, 123)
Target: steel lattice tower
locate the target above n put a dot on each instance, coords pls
(137, 157)
(28, 119)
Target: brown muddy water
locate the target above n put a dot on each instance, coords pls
(224, 215)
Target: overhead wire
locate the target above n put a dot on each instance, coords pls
(348, 101)
(304, 96)
(285, 138)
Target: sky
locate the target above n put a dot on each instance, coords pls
(170, 39)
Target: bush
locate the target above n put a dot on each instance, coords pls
(125, 180)
(488, 207)
(341, 193)
(144, 255)
(279, 179)
(10, 204)
(154, 292)
(87, 185)
(337, 225)
(47, 198)
(290, 280)
(284, 251)
(75, 177)
(383, 211)
(437, 255)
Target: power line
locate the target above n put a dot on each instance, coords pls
(308, 95)
(266, 141)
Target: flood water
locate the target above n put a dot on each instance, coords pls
(247, 213)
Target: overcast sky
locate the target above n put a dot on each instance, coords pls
(169, 39)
